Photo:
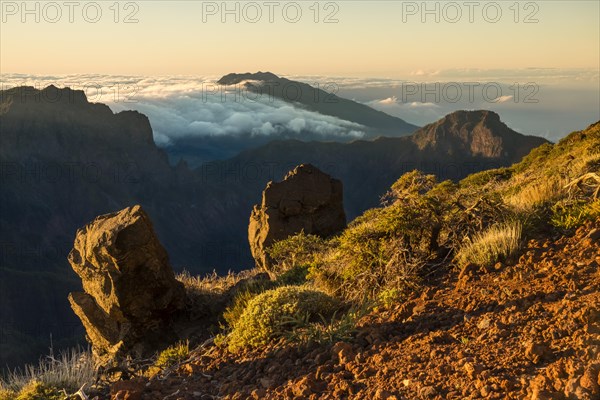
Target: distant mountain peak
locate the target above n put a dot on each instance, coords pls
(235, 78)
(376, 123)
(479, 132)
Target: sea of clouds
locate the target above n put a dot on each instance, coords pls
(185, 107)
(544, 102)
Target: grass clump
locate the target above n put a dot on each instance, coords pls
(51, 377)
(332, 330)
(173, 355)
(273, 313)
(499, 242)
(571, 215)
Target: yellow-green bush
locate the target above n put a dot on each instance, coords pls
(273, 313)
(173, 355)
(569, 216)
(386, 248)
(296, 251)
(36, 390)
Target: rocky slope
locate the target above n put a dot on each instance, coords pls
(523, 330)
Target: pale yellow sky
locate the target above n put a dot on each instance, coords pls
(370, 38)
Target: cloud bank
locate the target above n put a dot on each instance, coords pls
(186, 107)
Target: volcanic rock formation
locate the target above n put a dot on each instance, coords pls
(306, 200)
(130, 293)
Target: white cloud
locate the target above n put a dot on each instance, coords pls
(183, 106)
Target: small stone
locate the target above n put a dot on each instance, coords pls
(484, 323)
(382, 395)
(257, 394)
(344, 352)
(473, 369)
(536, 351)
(486, 390)
(594, 235)
(428, 392)
(589, 379)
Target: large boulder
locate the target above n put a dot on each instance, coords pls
(306, 200)
(131, 296)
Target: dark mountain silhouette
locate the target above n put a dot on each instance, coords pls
(64, 161)
(322, 101)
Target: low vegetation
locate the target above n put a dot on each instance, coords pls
(52, 378)
(173, 355)
(276, 312)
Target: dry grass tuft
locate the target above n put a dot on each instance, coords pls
(537, 194)
(69, 371)
(498, 242)
(213, 283)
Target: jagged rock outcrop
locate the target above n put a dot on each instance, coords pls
(131, 295)
(306, 200)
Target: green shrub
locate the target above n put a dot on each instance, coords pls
(296, 251)
(294, 276)
(173, 355)
(568, 216)
(242, 295)
(535, 157)
(270, 314)
(498, 242)
(386, 248)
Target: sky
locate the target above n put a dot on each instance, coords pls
(536, 63)
(349, 38)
